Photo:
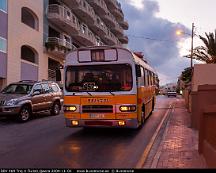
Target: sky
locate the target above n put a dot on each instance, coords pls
(152, 27)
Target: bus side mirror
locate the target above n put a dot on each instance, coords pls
(138, 71)
(58, 75)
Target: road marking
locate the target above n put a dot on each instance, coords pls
(144, 156)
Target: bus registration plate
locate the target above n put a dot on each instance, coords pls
(96, 116)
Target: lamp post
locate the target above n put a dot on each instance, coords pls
(192, 36)
(179, 32)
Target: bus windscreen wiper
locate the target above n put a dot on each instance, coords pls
(89, 93)
(111, 93)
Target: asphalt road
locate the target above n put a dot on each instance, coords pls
(45, 142)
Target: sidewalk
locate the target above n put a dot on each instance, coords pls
(178, 147)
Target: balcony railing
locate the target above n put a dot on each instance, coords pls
(99, 27)
(124, 39)
(124, 25)
(85, 36)
(109, 19)
(118, 14)
(99, 6)
(117, 30)
(71, 3)
(112, 4)
(85, 12)
(57, 46)
(63, 18)
(110, 38)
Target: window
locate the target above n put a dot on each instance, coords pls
(37, 87)
(3, 45)
(3, 5)
(99, 78)
(143, 72)
(45, 87)
(29, 18)
(17, 89)
(28, 54)
(55, 88)
(146, 78)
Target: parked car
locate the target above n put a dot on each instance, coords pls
(171, 93)
(26, 97)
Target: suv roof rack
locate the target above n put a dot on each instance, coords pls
(44, 80)
(27, 81)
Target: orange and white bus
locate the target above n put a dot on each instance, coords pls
(107, 87)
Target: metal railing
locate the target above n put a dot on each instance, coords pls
(55, 41)
(63, 13)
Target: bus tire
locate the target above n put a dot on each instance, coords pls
(143, 115)
(152, 106)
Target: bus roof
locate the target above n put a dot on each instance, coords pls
(137, 59)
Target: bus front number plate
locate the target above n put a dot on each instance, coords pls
(96, 115)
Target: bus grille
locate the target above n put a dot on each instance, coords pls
(97, 109)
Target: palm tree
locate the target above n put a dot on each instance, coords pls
(206, 53)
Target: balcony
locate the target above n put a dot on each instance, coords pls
(99, 27)
(124, 25)
(124, 39)
(99, 6)
(118, 14)
(63, 18)
(85, 36)
(110, 39)
(112, 4)
(71, 3)
(85, 12)
(117, 30)
(57, 46)
(109, 20)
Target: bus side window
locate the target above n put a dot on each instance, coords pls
(154, 82)
(138, 70)
(146, 77)
(144, 82)
(150, 76)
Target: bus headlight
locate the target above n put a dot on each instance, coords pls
(121, 123)
(127, 108)
(70, 108)
(75, 123)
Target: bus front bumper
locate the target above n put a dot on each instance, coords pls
(125, 123)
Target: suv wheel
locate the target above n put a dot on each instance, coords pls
(24, 114)
(55, 110)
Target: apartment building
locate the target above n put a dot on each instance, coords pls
(36, 35)
(3, 42)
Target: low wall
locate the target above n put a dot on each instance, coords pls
(186, 97)
(194, 111)
(205, 96)
(207, 135)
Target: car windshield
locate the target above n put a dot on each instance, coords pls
(17, 89)
(99, 78)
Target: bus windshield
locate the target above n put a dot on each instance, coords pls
(99, 78)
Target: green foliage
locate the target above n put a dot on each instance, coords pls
(206, 53)
(186, 75)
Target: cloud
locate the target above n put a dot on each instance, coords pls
(156, 38)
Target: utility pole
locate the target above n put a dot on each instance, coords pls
(192, 36)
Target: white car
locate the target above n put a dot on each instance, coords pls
(171, 93)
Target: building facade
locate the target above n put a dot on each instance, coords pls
(36, 35)
(3, 41)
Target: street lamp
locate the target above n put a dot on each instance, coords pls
(192, 36)
(179, 32)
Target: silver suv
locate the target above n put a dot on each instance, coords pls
(26, 97)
